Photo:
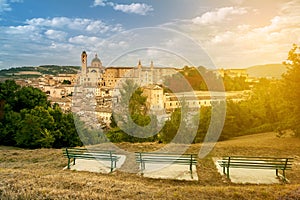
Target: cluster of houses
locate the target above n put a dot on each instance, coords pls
(95, 89)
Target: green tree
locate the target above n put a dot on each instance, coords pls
(8, 90)
(266, 101)
(9, 125)
(291, 81)
(204, 121)
(29, 97)
(171, 127)
(180, 127)
(65, 132)
(235, 84)
(136, 125)
(34, 127)
(28, 120)
(66, 82)
(9, 120)
(47, 139)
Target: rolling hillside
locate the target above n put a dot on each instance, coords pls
(38, 174)
(267, 71)
(34, 72)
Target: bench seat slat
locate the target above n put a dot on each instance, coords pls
(257, 166)
(94, 157)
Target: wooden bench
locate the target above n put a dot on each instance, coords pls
(183, 159)
(228, 162)
(91, 154)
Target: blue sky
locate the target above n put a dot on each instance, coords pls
(221, 33)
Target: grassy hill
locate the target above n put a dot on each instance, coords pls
(267, 71)
(33, 72)
(38, 174)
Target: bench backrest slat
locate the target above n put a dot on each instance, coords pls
(166, 157)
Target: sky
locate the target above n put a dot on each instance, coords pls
(171, 33)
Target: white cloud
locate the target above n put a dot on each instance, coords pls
(56, 35)
(21, 29)
(79, 24)
(54, 22)
(89, 41)
(4, 6)
(99, 3)
(219, 15)
(223, 38)
(16, 1)
(39, 40)
(136, 8)
(101, 27)
(234, 38)
(26, 32)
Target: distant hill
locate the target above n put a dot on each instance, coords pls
(267, 71)
(28, 72)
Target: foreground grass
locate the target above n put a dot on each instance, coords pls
(38, 174)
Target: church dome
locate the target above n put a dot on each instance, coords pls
(96, 62)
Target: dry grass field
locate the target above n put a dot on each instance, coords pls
(39, 174)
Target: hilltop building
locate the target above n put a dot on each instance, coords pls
(142, 75)
(90, 75)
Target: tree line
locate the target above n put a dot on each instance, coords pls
(27, 119)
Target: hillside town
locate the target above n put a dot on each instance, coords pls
(103, 83)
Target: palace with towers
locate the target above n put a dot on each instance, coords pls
(97, 88)
(101, 83)
(99, 80)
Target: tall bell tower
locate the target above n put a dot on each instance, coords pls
(83, 63)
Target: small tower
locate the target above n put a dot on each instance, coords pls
(83, 63)
(151, 65)
(139, 65)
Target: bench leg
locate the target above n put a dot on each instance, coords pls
(142, 168)
(191, 170)
(191, 166)
(68, 163)
(224, 172)
(111, 167)
(283, 173)
(277, 172)
(228, 172)
(74, 161)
